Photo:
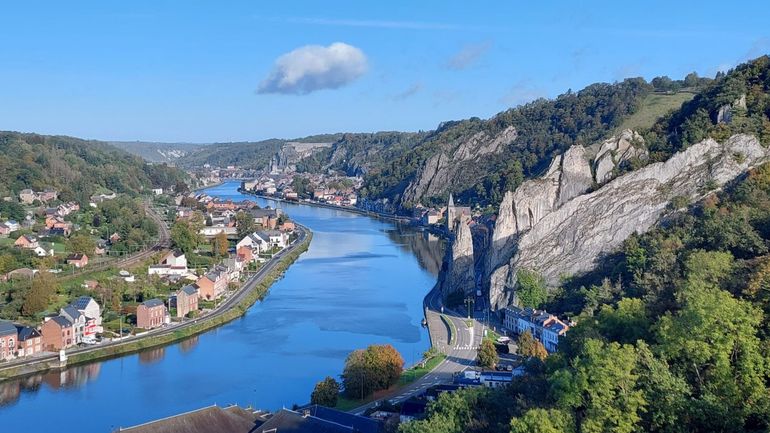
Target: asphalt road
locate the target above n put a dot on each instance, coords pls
(461, 354)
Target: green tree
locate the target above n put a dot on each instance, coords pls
(40, 293)
(712, 342)
(220, 245)
(245, 224)
(626, 323)
(82, 243)
(487, 355)
(666, 394)
(531, 289)
(375, 368)
(601, 387)
(326, 392)
(529, 347)
(543, 421)
(185, 236)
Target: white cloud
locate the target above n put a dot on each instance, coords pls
(467, 55)
(315, 67)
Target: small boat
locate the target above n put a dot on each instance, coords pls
(424, 322)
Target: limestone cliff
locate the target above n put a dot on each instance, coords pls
(460, 274)
(442, 169)
(569, 237)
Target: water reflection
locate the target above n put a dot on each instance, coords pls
(361, 282)
(71, 377)
(150, 356)
(427, 247)
(185, 346)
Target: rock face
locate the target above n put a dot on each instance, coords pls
(725, 114)
(615, 152)
(576, 177)
(460, 273)
(571, 238)
(438, 172)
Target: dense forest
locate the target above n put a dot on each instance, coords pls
(357, 154)
(673, 331)
(76, 168)
(545, 128)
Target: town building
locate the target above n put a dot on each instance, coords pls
(93, 312)
(455, 213)
(27, 196)
(173, 263)
(8, 339)
(58, 333)
(543, 326)
(212, 419)
(26, 241)
(186, 300)
(212, 284)
(151, 314)
(77, 260)
(30, 341)
(315, 418)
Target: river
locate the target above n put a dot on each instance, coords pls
(361, 282)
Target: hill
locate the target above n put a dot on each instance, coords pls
(158, 152)
(76, 168)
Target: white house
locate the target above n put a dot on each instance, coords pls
(173, 263)
(275, 238)
(157, 191)
(543, 326)
(256, 241)
(212, 231)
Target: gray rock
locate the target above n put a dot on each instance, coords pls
(460, 272)
(615, 151)
(570, 239)
(576, 177)
(436, 176)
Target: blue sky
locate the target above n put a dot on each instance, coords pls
(248, 70)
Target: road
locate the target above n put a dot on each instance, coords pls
(220, 309)
(460, 353)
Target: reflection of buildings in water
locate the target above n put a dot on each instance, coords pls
(427, 247)
(150, 356)
(189, 344)
(9, 392)
(73, 376)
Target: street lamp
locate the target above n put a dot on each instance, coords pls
(469, 301)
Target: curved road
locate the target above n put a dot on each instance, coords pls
(460, 353)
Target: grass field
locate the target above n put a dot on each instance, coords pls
(653, 107)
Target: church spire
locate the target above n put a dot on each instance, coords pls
(451, 200)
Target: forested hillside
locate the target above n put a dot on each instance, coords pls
(673, 330)
(76, 168)
(543, 128)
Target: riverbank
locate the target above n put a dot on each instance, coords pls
(233, 307)
(355, 210)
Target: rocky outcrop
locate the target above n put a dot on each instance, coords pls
(725, 113)
(616, 151)
(576, 177)
(571, 238)
(460, 274)
(440, 170)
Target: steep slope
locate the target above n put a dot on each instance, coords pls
(75, 167)
(157, 151)
(479, 160)
(572, 236)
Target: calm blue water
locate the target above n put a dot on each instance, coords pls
(361, 282)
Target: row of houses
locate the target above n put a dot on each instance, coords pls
(543, 326)
(78, 322)
(28, 196)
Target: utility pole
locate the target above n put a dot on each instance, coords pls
(469, 301)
